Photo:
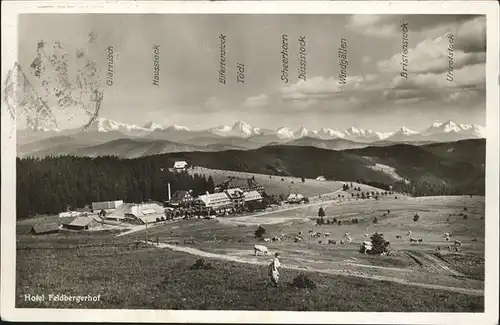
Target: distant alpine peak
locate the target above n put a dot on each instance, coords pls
(284, 133)
(303, 132)
(153, 126)
(330, 133)
(102, 124)
(178, 128)
(405, 131)
(244, 129)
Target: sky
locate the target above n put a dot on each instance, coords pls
(374, 96)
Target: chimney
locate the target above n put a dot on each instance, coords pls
(169, 195)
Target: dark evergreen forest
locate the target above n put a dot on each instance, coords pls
(54, 184)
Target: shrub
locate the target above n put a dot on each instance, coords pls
(375, 220)
(465, 216)
(339, 223)
(303, 282)
(379, 244)
(303, 180)
(200, 264)
(259, 232)
(334, 219)
(416, 217)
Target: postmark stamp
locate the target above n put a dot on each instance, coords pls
(60, 86)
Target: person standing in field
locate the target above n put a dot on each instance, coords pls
(274, 270)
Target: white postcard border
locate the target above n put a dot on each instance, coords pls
(10, 10)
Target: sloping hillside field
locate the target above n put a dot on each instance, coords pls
(210, 264)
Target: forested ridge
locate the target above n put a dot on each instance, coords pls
(53, 184)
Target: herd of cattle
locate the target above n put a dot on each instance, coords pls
(345, 240)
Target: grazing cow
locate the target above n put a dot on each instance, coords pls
(297, 239)
(457, 249)
(409, 232)
(420, 240)
(331, 241)
(260, 249)
(319, 241)
(475, 239)
(398, 237)
(310, 231)
(300, 233)
(318, 234)
(438, 248)
(327, 234)
(449, 248)
(412, 240)
(342, 242)
(267, 240)
(387, 243)
(276, 239)
(458, 243)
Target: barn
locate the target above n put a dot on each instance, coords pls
(180, 165)
(82, 223)
(219, 202)
(181, 198)
(295, 198)
(45, 228)
(252, 196)
(144, 213)
(107, 206)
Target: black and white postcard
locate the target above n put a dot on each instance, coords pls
(250, 162)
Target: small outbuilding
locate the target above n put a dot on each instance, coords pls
(180, 165)
(45, 228)
(82, 223)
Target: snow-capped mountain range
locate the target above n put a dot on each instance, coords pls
(438, 131)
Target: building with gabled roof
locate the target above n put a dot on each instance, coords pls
(45, 228)
(180, 165)
(181, 197)
(215, 202)
(82, 223)
(252, 196)
(144, 213)
(107, 206)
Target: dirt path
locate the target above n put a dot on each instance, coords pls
(197, 252)
(248, 219)
(441, 264)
